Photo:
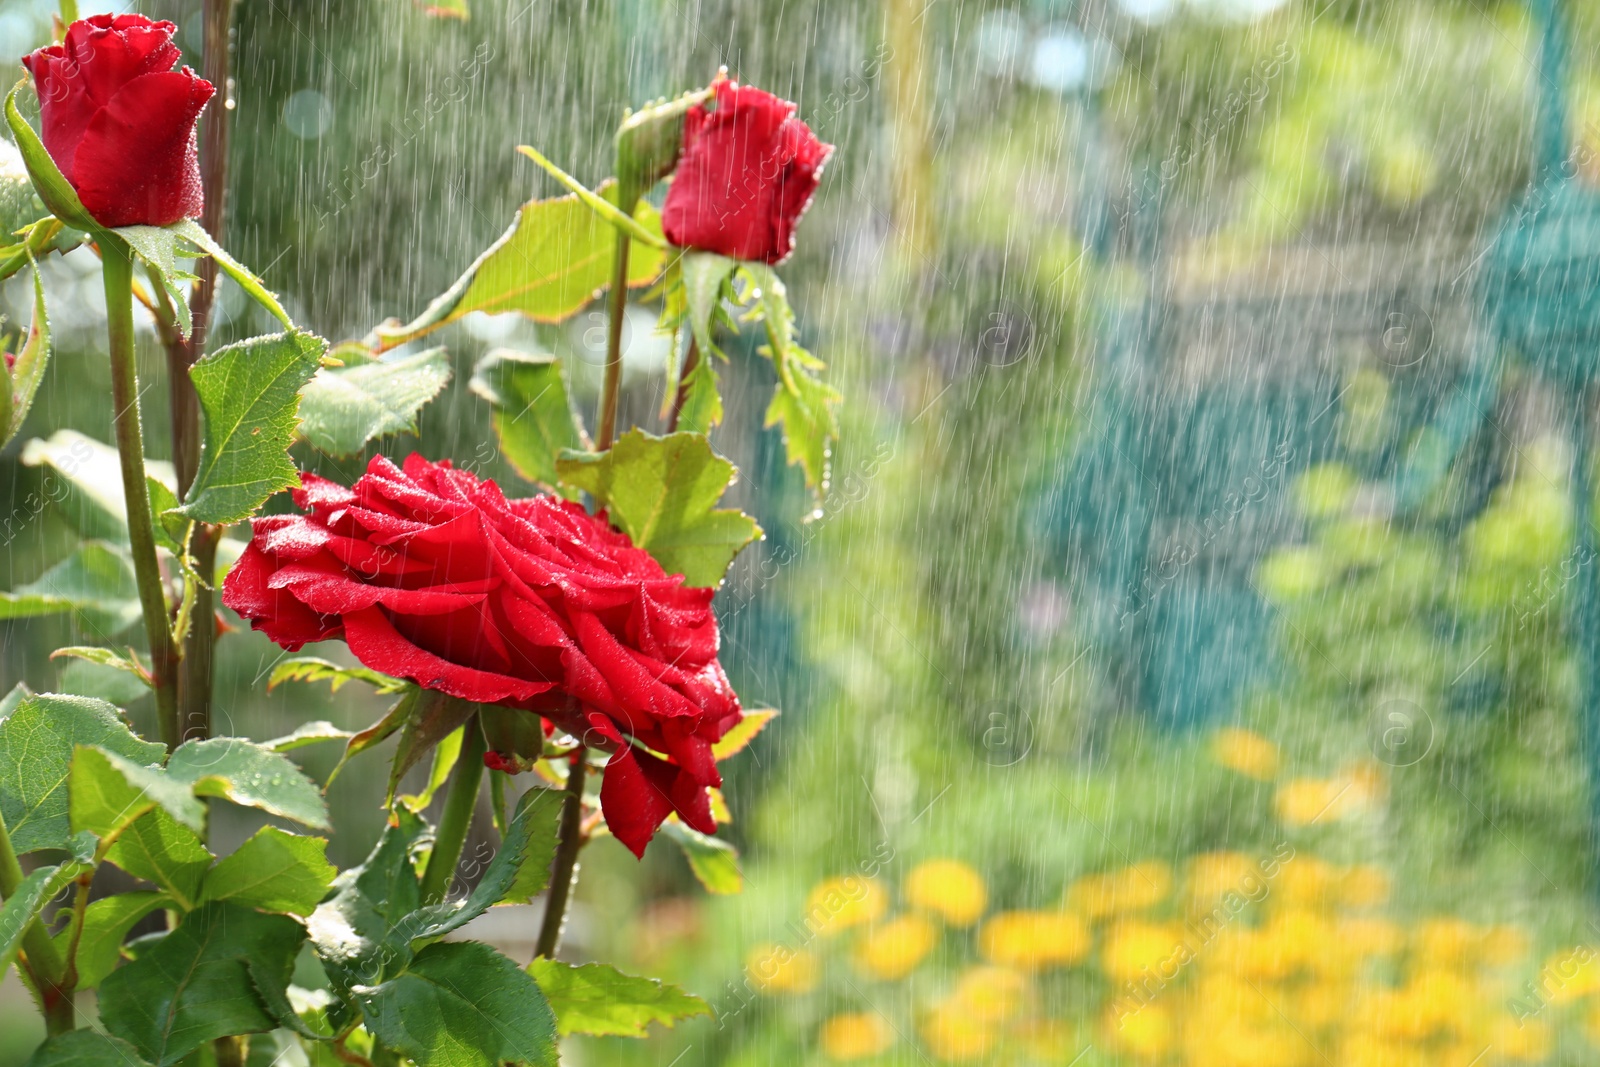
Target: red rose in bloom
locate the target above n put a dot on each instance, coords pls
(119, 121)
(746, 175)
(433, 575)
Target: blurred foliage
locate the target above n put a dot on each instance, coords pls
(940, 705)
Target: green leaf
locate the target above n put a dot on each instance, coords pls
(24, 905)
(702, 400)
(14, 698)
(599, 1000)
(250, 775)
(96, 583)
(532, 413)
(605, 207)
(86, 1048)
(542, 809)
(105, 657)
(805, 410)
(314, 669)
(462, 1004)
(250, 394)
(353, 930)
(663, 492)
(162, 851)
(714, 862)
(555, 258)
(108, 792)
(56, 192)
(307, 733)
(84, 480)
(28, 371)
(198, 983)
(196, 234)
(37, 739)
(531, 821)
(35, 240)
(274, 871)
(341, 409)
(106, 923)
(742, 733)
(433, 717)
(802, 403)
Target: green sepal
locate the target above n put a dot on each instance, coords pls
(714, 862)
(57, 193)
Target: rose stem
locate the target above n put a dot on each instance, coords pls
(566, 866)
(619, 308)
(117, 270)
(459, 805)
(199, 644)
(44, 963)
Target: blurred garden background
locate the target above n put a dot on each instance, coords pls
(1185, 663)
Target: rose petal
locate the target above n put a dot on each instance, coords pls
(137, 162)
(377, 644)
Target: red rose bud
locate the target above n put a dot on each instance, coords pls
(746, 175)
(430, 574)
(119, 121)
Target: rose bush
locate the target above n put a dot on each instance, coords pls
(120, 122)
(747, 173)
(431, 574)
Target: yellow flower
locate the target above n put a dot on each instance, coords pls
(1364, 937)
(780, 969)
(1306, 881)
(1044, 1039)
(855, 1036)
(1524, 1040)
(1213, 875)
(1446, 942)
(951, 1035)
(1320, 1005)
(989, 994)
(1503, 945)
(1224, 997)
(1129, 889)
(837, 904)
(951, 889)
(1147, 1032)
(1245, 751)
(1034, 939)
(1306, 941)
(1364, 1050)
(1364, 886)
(1302, 801)
(1134, 949)
(894, 949)
(1570, 975)
(1243, 1045)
